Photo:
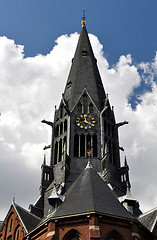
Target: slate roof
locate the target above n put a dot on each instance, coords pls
(89, 193)
(149, 219)
(1, 224)
(29, 220)
(84, 72)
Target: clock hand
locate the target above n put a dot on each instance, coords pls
(87, 122)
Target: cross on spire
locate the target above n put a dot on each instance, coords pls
(83, 18)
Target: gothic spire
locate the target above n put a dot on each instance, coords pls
(84, 72)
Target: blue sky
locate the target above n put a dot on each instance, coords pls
(122, 26)
(31, 85)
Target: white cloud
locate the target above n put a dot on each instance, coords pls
(29, 89)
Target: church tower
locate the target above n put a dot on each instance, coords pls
(84, 128)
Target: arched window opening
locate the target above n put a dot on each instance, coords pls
(94, 145)
(88, 146)
(11, 224)
(61, 111)
(48, 176)
(72, 235)
(64, 146)
(57, 131)
(82, 145)
(17, 233)
(110, 152)
(85, 103)
(76, 145)
(17, 237)
(79, 108)
(65, 125)
(114, 235)
(61, 128)
(90, 108)
(109, 129)
(60, 150)
(112, 131)
(56, 153)
(114, 154)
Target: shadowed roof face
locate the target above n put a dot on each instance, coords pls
(84, 73)
(29, 220)
(149, 219)
(89, 193)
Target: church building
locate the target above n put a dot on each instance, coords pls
(85, 191)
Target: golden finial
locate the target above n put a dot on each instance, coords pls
(83, 18)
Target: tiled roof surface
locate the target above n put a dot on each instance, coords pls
(149, 219)
(29, 220)
(89, 193)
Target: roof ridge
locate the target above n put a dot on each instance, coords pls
(150, 211)
(27, 211)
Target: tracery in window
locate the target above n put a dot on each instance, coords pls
(85, 145)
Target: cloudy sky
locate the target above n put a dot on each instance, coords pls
(37, 42)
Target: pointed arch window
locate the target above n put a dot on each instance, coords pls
(60, 150)
(61, 128)
(76, 145)
(88, 143)
(82, 145)
(65, 125)
(90, 108)
(56, 153)
(57, 131)
(61, 110)
(79, 108)
(94, 145)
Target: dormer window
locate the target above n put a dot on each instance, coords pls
(69, 84)
(84, 53)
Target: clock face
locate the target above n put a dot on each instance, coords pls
(85, 121)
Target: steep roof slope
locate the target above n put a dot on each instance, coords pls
(89, 193)
(84, 73)
(149, 219)
(29, 220)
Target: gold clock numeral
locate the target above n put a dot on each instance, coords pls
(92, 118)
(78, 124)
(93, 121)
(77, 120)
(81, 126)
(85, 127)
(81, 116)
(85, 115)
(89, 126)
(92, 124)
